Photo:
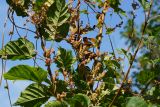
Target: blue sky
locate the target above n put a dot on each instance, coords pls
(17, 87)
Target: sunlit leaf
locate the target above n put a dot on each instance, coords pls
(57, 26)
(33, 96)
(80, 100)
(136, 102)
(20, 49)
(39, 3)
(25, 72)
(56, 104)
(64, 59)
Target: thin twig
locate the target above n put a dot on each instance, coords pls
(2, 60)
(5, 23)
(35, 58)
(134, 56)
(88, 16)
(91, 7)
(7, 85)
(8, 93)
(17, 25)
(13, 22)
(78, 20)
(112, 47)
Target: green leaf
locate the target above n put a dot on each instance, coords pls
(153, 18)
(64, 59)
(56, 104)
(126, 53)
(109, 83)
(136, 102)
(115, 5)
(33, 96)
(80, 81)
(144, 76)
(116, 63)
(61, 86)
(57, 26)
(20, 49)
(80, 100)
(109, 31)
(19, 6)
(39, 3)
(25, 72)
(153, 94)
(145, 4)
(84, 11)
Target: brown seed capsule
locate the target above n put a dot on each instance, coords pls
(103, 74)
(48, 61)
(56, 73)
(54, 78)
(64, 73)
(58, 97)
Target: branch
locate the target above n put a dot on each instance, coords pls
(101, 22)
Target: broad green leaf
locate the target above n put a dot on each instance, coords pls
(19, 6)
(144, 76)
(33, 96)
(153, 105)
(61, 86)
(81, 84)
(25, 72)
(20, 49)
(109, 83)
(80, 100)
(115, 63)
(56, 104)
(64, 59)
(136, 102)
(57, 26)
(153, 94)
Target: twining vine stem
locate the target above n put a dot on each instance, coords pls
(4, 66)
(44, 50)
(134, 56)
(16, 26)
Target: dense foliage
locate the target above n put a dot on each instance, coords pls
(85, 76)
